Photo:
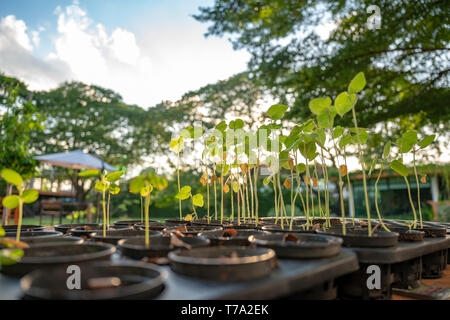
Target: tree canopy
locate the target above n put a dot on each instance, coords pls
(406, 59)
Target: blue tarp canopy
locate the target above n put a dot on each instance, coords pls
(75, 160)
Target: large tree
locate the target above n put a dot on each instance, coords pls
(405, 60)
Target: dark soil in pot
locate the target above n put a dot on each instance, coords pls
(65, 228)
(192, 231)
(34, 234)
(433, 232)
(227, 263)
(130, 223)
(157, 226)
(212, 222)
(113, 236)
(176, 222)
(231, 237)
(277, 228)
(299, 245)
(86, 231)
(24, 227)
(244, 226)
(40, 241)
(51, 255)
(404, 234)
(359, 238)
(99, 281)
(160, 246)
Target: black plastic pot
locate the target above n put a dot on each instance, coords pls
(359, 238)
(404, 234)
(51, 255)
(433, 232)
(244, 226)
(34, 234)
(304, 246)
(192, 231)
(24, 227)
(130, 223)
(157, 226)
(65, 228)
(434, 264)
(40, 240)
(160, 246)
(113, 236)
(212, 222)
(228, 263)
(223, 238)
(85, 232)
(132, 281)
(407, 274)
(295, 228)
(176, 222)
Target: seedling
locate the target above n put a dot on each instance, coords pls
(197, 200)
(408, 142)
(177, 145)
(143, 185)
(104, 185)
(24, 196)
(14, 251)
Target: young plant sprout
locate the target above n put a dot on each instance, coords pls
(177, 145)
(24, 196)
(106, 184)
(408, 142)
(10, 251)
(144, 185)
(402, 170)
(385, 157)
(197, 200)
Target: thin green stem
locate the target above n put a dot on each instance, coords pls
(418, 188)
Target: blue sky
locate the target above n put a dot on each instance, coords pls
(146, 50)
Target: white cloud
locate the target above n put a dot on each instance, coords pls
(166, 62)
(17, 58)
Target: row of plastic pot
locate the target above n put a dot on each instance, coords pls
(114, 266)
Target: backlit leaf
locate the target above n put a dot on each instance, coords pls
(30, 196)
(318, 105)
(277, 111)
(399, 167)
(357, 84)
(197, 200)
(11, 202)
(12, 177)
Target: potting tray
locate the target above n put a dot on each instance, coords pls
(402, 252)
(291, 276)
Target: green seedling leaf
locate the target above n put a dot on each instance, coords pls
(114, 189)
(222, 126)
(308, 126)
(177, 144)
(425, 142)
(236, 124)
(11, 202)
(89, 173)
(184, 193)
(137, 184)
(145, 191)
(10, 256)
(12, 177)
(345, 140)
(2, 232)
(407, 141)
(357, 84)
(337, 132)
(387, 150)
(235, 187)
(101, 186)
(276, 112)
(399, 167)
(363, 135)
(197, 200)
(267, 180)
(300, 168)
(326, 118)
(30, 196)
(343, 103)
(114, 176)
(187, 133)
(318, 105)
